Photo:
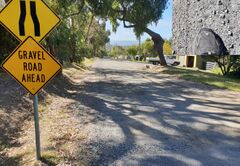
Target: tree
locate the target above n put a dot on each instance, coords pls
(167, 47)
(80, 34)
(97, 38)
(132, 50)
(117, 51)
(236, 66)
(226, 63)
(148, 48)
(136, 14)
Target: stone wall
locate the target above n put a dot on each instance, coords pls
(222, 16)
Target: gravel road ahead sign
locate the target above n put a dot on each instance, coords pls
(25, 18)
(31, 65)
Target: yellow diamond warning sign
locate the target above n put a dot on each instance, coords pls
(31, 65)
(25, 18)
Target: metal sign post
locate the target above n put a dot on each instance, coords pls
(37, 130)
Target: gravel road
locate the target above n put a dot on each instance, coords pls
(136, 117)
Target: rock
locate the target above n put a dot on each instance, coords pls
(230, 33)
(222, 16)
(220, 2)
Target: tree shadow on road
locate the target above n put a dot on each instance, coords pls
(175, 112)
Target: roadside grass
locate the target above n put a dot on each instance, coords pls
(44, 103)
(87, 62)
(205, 78)
(216, 70)
(50, 158)
(73, 68)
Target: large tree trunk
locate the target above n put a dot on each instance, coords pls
(158, 45)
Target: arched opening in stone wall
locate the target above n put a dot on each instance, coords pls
(207, 42)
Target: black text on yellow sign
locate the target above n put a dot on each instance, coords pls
(31, 65)
(25, 18)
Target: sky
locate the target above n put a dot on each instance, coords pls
(164, 28)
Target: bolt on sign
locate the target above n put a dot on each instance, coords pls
(23, 18)
(31, 65)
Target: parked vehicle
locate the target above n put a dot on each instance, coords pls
(171, 60)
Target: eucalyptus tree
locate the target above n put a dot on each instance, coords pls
(132, 50)
(136, 14)
(167, 47)
(118, 51)
(97, 37)
(148, 48)
(80, 33)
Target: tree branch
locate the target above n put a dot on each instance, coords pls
(89, 27)
(80, 9)
(72, 14)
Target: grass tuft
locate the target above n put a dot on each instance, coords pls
(49, 158)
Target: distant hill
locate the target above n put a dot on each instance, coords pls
(120, 43)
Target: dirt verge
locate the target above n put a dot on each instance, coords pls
(59, 126)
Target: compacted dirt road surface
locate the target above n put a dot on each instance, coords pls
(136, 117)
